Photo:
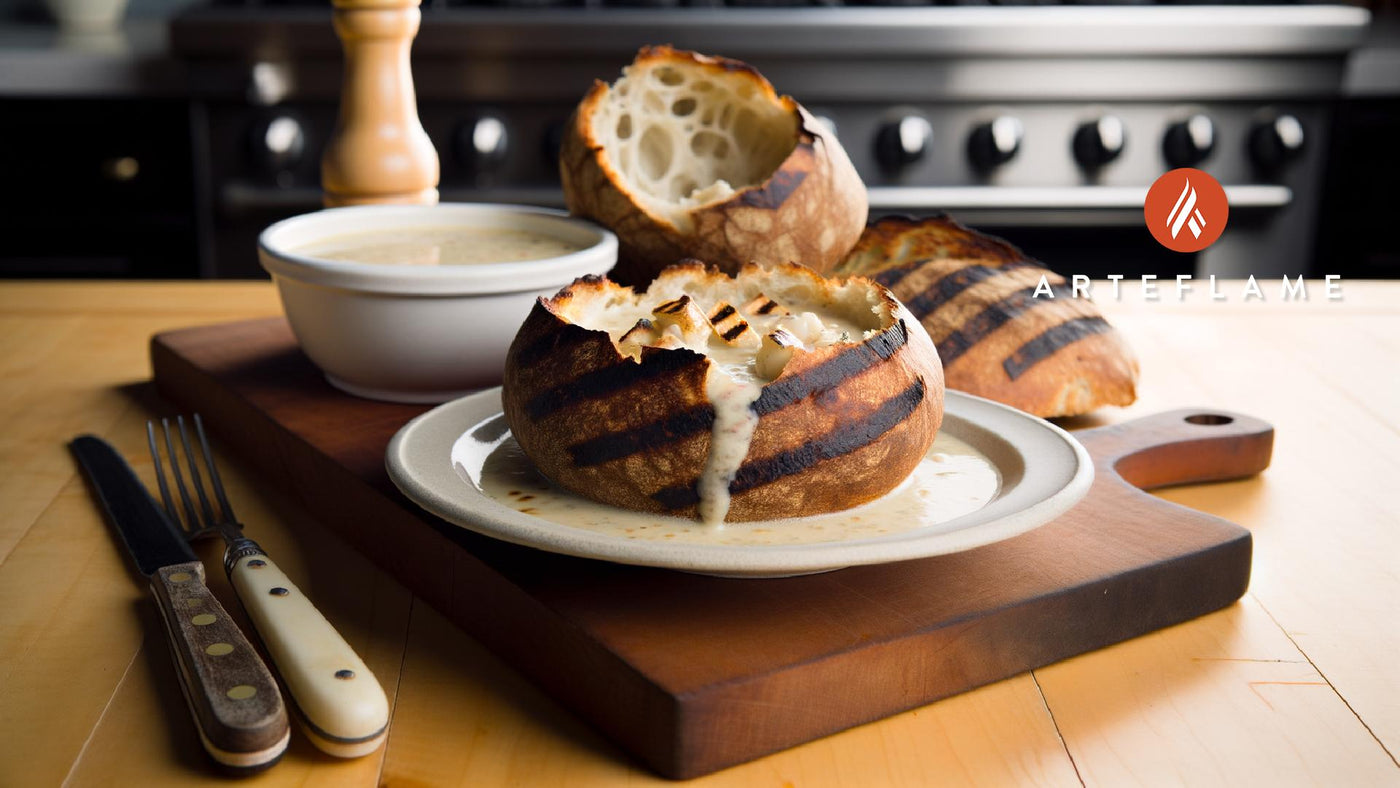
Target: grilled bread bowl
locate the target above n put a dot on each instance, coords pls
(974, 294)
(775, 393)
(695, 156)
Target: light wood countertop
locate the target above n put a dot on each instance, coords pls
(1296, 684)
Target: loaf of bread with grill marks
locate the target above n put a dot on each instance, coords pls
(975, 295)
(840, 419)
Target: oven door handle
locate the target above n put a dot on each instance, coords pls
(951, 198)
(238, 198)
(241, 197)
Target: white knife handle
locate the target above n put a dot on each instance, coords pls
(343, 708)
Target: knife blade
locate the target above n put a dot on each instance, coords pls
(236, 705)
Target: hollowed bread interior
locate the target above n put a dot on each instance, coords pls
(680, 135)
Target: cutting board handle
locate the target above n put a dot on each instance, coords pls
(1181, 447)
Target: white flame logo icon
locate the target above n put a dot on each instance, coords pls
(1186, 213)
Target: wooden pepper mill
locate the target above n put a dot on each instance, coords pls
(378, 152)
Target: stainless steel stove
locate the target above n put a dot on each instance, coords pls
(1043, 124)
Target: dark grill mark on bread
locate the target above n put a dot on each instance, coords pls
(912, 256)
(763, 305)
(949, 286)
(678, 497)
(839, 442)
(991, 318)
(833, 372)
(775, 396)
(602, 382)
(616, 445)
(783, 183)
(1050, 341)
(735, 331)
(672, 307)
(721, 313)
(893, 276)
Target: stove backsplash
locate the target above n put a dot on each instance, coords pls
(1046, 134)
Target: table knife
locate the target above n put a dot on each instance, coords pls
(236, 705)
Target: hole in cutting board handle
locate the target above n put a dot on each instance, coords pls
(1210, 419)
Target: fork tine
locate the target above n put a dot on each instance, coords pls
(190, 513)
(213, 471)
(160, 475)
(195, 481)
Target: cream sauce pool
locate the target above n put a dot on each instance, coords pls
(953, 480)
(439, 246)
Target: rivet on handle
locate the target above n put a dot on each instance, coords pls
(345, 674)
(1210, 419)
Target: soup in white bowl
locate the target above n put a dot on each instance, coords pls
(440, 245)
(421, 332)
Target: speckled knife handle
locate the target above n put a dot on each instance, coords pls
(342, 707)
(231, 694)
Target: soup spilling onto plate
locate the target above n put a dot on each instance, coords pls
(439, 246)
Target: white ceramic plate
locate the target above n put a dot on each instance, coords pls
(1044, 471)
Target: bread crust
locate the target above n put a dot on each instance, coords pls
(840, 426)
(812, 209)
(974, 295)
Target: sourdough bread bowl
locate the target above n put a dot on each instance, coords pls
(773, 393)
(689, 156)
(975, 294)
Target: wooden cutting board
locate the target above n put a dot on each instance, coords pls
(692, 674)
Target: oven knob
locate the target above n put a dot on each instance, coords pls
(903, 142)
(1276, 141)
(995, 143)
(1189, 142)
(481, 143)
(278, 143)
(1099, 142)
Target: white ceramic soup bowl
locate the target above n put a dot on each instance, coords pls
(416, 333)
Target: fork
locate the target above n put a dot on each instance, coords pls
(339, 702)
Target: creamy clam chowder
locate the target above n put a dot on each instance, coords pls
(444, 245)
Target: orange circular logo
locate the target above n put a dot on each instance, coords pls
(1186, 210)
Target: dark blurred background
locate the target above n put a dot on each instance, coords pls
(157, 138)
